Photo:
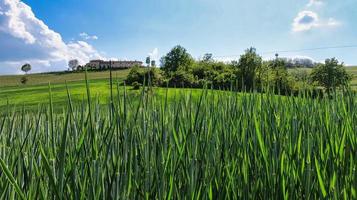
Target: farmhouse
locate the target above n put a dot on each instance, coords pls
(102, 65)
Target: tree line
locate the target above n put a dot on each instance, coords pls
(249, 72)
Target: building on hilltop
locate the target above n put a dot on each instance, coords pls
(103, 65)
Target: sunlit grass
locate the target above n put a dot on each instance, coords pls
(172, 144)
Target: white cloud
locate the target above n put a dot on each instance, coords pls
(307, 20)
(25, 38)
(85, 36)
(315, 3)
(154, 54)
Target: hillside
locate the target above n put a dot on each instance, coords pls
(36, 91)
(60, 77)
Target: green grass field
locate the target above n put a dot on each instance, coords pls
(36, 91)
(201, 144)
(55, 78)
(170, 143)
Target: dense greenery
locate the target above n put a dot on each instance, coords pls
(331, 74)
(249, 73)
(221, 145)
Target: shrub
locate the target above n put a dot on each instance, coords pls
(136, 85)
(150, 76)
(134, 76)
(24, 80)
(182, 78)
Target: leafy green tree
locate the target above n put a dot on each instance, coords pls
(249, 63)
(26, 68)
(177, 58)
(330, 75)
(281, 75)
(134, 75)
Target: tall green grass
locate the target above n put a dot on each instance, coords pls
(222, 145)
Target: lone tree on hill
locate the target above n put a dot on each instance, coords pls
(25, 68)
(331, 74)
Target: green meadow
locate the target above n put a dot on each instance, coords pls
(35, 92)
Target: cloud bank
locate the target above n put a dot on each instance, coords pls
(26, 39)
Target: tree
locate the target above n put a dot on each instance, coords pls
(73, 64)
(175, 59)
(330, 75)
(208, 57)
(26, 68)
(280, 75)
(248, 65)
(134, 75)
(148, 60)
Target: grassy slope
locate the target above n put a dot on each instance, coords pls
(36, 91)
(38, 79)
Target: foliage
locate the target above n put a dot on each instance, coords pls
(182, 78)
(281, 79)
(216, 74)
(299, 62)
(24, 80)
(26, 68)
(176, 59)
(249, 63)
(136, 85)
(152, 76)
(134, 75)
(330, 75)
(208, 57)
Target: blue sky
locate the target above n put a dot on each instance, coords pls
(49, 33)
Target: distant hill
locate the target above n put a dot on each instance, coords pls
(59, 77)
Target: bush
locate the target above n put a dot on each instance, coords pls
(182, 78)
(24, 80)
(136, 85)
(134, 76)
(154, 77)
(149, 76)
